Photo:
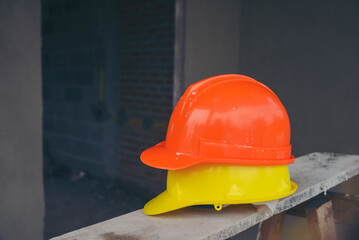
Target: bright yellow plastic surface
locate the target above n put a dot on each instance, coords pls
(218, 184)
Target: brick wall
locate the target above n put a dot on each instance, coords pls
(132, 41)
(147, 30)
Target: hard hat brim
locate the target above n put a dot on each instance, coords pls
(160, 157)
(165, 203)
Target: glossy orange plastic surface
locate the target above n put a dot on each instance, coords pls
(230, 119)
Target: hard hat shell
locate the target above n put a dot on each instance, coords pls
(218, 184)
(230, 119)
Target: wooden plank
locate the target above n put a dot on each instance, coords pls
(314, 173)
(272, 228)
(346, 211)
(345, 207)
(320, 218)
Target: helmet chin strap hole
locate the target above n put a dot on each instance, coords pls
(218, 207)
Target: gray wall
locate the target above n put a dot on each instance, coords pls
(21, 189)
(307, 52)
(211, 38)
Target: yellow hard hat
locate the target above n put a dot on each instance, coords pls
(218, 184)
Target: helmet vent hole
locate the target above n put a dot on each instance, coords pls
(218, 207)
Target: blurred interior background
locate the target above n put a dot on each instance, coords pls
(87, 85)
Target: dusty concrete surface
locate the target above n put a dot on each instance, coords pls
(21, 188)
(314, 173)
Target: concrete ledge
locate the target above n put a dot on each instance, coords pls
(314, 173)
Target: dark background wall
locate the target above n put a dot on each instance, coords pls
(146, 85)
(107, 86)
(212, 37)
(108, 68)
(307, 52)
(71, 42)
(21, 188)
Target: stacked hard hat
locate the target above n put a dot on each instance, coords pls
(228, 142)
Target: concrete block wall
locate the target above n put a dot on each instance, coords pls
(69, 43)
(133, 42)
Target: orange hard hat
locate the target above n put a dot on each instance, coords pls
(230, 119)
